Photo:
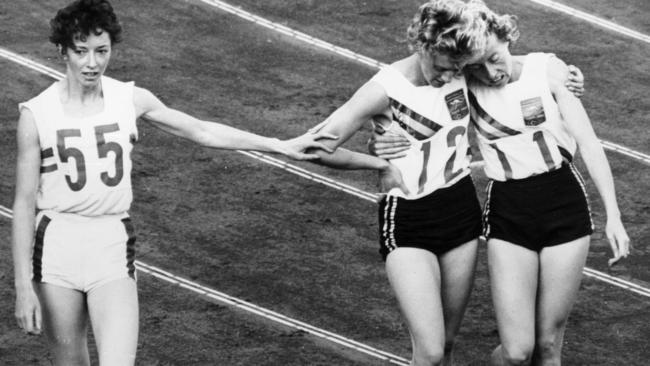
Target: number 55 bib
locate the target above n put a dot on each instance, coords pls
(85, 161)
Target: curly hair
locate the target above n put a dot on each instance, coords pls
(82, 17)
(503, 26)
(444, 26)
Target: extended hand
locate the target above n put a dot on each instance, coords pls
(296, 148)
(576, 81)
(388, 145)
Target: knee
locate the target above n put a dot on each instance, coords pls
(66, 351)
(518, 354)
(429, 355)
(548, 348)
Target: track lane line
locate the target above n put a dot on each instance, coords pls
(590, 18)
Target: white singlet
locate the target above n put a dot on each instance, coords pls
(86, 161)
(520, 130)
(435, 121)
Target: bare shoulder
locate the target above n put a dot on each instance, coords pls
(27, 132)
(26, 121)
(557, 73)
(144, 101)
(408, 68)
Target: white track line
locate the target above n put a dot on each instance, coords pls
(376, 64)
(292, 33)
(594, 20)
(269, 314)
(258, 310)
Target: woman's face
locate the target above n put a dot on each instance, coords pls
(438, 69)
(88, 60)
(494, 67)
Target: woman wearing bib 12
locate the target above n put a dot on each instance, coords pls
(429, 220)
(536, 217)
(74, 260)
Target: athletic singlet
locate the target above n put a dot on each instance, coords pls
(435, 121)
(520, 130)
(86, 161)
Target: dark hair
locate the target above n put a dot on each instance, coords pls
(82, 17)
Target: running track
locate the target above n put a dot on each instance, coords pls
(333, 337)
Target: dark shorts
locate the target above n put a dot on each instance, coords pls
(539, 211)
(439, 222)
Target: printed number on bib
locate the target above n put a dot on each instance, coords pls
(65, 142)
(449, 166)
(538, 138)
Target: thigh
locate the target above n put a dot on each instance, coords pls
(513, 282)
(65, 323)
(457, 278)
(414, 276)
(559, 281)
(113, 309)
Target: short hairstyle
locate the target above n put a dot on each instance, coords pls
(82, 17)
(503, 26)
(444, 26)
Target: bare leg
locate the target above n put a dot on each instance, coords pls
(65, 324)
(559, 281)
(457, 269)
(513, 279)
(414, 276)
(113, 310)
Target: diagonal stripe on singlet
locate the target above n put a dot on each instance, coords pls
(415, 118)
(502, 130)
(474, 121)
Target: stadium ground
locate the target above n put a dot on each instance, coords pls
(302, 249)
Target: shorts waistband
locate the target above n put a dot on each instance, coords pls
(80, 218)
(540, 179)
(450, 194)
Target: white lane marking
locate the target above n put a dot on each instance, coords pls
(269, 314)
(617, 281)
(594, 20)
(258, 310)
(625, 151)
(293, 33)
(376, 64)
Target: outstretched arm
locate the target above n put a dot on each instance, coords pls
(369, 101)
(217, 135)
(28, 310)
(592, 154)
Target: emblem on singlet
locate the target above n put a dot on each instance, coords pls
(457, 104)
(533, 111)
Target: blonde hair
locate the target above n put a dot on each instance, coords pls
(503, 26)
(445, 27)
